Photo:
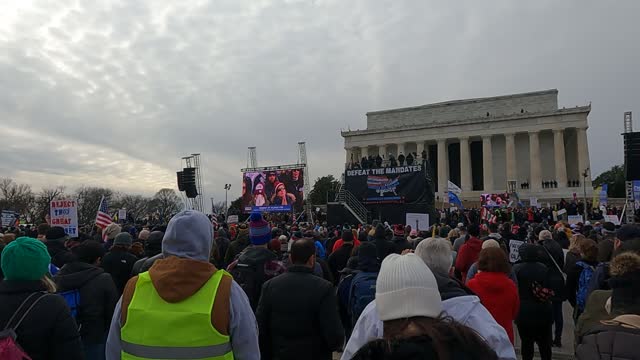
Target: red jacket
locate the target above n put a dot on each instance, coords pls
(338, 244)
(467, 255)
(499, 295)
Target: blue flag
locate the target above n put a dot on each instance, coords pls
(455, 200)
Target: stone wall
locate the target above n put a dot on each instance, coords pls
(452, 111)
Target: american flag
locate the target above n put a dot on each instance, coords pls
(214, 220)
(103, 218)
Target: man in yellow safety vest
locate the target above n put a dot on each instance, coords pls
(183, 307)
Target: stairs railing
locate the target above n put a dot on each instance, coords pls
(348, 200)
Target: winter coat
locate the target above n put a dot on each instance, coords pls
(338, 260)
(298, 317)
(573, 278)
(556, 280)
(611, 341)
(605, 250)
(499, 295)
(400, 243)
(594, 312)
(144, 264)
(48, 332)
(467, 255)
(119, 263)
(530, 270)
(98, 298)
(60, 255)
(570, 261)
(339, 243)
(237, 246)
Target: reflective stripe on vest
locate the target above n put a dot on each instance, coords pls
(156, 329)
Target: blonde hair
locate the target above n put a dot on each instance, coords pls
(575, 242)
(49, 284)
(453, 234)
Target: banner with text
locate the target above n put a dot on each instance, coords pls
(395, 185)
(273, 191)
(64, 213)
(9, 218)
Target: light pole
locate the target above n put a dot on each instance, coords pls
(584, 187)
(227, 187)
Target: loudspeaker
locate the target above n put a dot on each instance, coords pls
(189, 182)
(632, 156)
(180, 181)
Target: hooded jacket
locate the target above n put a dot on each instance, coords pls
(98, 298)
(530, 270)
(237, 245)
(119, 263)
(183, 271)
(499, 295)
(556, 279)
(467, 255)
(457, 302)
(612, 340)
(152, 248)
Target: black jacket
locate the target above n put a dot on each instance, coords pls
(609, 342)
(298, 317)
(400, 243)
(338, 260)
(528, 270)
(144, 264)
(236, 247)
(556, 280)
(48, 331)
(119, 264)
(60, 255)
(98, 298)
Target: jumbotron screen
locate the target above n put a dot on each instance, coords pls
(273, 191)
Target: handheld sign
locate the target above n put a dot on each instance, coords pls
(64, 213)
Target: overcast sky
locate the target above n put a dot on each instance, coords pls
(113, 93)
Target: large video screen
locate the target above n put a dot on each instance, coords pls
(273, 191)
(494, 200)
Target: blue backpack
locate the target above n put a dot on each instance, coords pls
(72, 298)
(583, 284)
(363, 291)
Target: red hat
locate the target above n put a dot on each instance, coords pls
(259, 189)
(279, 185)
(398, 230)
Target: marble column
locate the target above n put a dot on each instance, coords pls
(583, 156)
(382, 151)
(349, 152)
(400, 149)
(487, 163)
(510, 150)
(560, 158)
(364, 152)
(465, 165)
(534, 161)
(419, 149)
(443, 177)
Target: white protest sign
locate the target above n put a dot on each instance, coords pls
(64, 213)
(418, 221)
(562, 212)
(8, 218)
(574, 219)
(534, 202)
(514, 250)
(122, 214)
(612, 218)
(232, 219)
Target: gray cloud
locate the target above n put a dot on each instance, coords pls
(141, 83)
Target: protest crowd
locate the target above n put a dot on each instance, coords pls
(190, 289)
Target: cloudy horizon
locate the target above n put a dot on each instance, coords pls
(114, 93)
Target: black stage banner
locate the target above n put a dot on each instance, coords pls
(394, 185)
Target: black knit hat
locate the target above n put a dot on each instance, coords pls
(56, 233)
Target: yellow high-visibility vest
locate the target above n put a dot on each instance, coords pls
(156, 329)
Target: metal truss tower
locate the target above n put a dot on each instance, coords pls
(302, 159)
(252, 158)
(196, 203)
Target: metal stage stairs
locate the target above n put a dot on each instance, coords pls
(351, 203)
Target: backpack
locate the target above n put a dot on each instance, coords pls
(72, 298)
(250, 277)
(583, 284)
(363, 291)
(9, 348)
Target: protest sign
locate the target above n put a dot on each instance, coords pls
(534, 202)
(514, 250)
(418, 221)
(612, 218)
(574, 219)
(9, 218)
(64, 213)
(232, 219)
(122, 214)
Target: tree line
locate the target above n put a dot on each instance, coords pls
(33, 206)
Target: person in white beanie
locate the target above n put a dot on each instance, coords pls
(457, 302)
(410, 307)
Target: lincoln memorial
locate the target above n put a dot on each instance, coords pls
(519, 142)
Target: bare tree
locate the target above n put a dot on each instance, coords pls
(14, 196)
(165, 204)
(137, 206)
(89, 201)
(218, 207)
(39, 208)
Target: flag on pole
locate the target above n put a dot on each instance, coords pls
(103, 218)
(455, 200)
(214, 220)
(453, 188)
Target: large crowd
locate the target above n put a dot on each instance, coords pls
(259, 289)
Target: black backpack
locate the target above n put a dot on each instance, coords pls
(250, 277)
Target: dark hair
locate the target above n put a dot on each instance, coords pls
(43, 228)
(474, 230)
(447, 336)
(589, 250)
(88, 251)
(347, 236)
(493, 260)
(302, 250)
(493, 227)
(628, 232)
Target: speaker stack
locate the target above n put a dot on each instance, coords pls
(632, 156)
(187, 182)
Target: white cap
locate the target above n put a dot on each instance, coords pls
(406, 288)
(490, 243)
(460, 225)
